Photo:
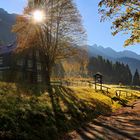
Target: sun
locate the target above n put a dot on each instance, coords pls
(38, 16)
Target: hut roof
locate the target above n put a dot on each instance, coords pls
(7, 48)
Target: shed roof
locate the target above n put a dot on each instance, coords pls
(98, 74)
(7, 48)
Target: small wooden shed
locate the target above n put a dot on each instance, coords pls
(98, 77)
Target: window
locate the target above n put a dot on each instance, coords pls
(37, 54)
(39, 78)
(38, 66)
(30, 55)
(30, 63)
(1, 75)
(20, 62)
(1, 60)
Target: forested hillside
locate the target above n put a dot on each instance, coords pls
(112, 72)
(126, 57)
(6, 22)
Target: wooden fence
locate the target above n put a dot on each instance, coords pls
(80, 83)
(123, 92)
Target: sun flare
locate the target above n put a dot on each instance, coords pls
(38, 16)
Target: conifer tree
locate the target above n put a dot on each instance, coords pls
(136, 78)
(128, 76)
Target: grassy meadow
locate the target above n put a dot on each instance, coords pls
(25, 115)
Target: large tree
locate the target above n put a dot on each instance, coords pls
(57, 36)
(125, 15)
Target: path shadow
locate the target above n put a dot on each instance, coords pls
(123, 127)
(72, 111)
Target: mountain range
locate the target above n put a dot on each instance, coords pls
(110, 53)
(6, 22)
(126, 57)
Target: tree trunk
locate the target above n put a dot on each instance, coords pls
(34, 69)
(52, 97)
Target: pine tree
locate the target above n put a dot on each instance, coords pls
(129, 75)
(136, 78)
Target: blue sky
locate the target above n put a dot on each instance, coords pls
(98, 33)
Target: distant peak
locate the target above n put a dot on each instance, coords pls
(127, 51)
(100, 47)
(96, 46)
(2, 11)
(109, 48)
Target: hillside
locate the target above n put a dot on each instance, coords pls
(126, 57)
(6, 22)
(110, 53)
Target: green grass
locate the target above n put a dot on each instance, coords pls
(25, 115)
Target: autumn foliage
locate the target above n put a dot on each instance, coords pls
(125, 16)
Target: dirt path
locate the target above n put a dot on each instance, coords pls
(124, 124)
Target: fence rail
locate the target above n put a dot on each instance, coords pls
(79, 83)
(123, 92)
(118, 93)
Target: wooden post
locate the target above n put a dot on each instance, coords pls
(126, 94)
(101, 82)
(119, 93)
(101, 85)
(95, 86)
